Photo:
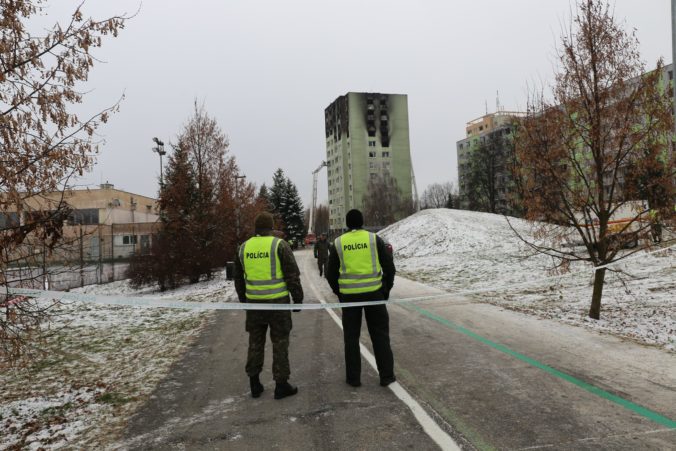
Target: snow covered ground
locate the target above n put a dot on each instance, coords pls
(101, 364)
(461, 251)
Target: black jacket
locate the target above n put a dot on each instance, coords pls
(386, 263)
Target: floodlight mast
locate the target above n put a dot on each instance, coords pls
(159, 149)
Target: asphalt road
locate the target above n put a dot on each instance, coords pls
(491, 378)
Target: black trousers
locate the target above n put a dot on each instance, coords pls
(378, 323)
(321, 264)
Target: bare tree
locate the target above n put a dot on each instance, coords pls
(43, 143)
(321, 219)
(439, 195)
(489, 174)
(581, 154)
(384, 203)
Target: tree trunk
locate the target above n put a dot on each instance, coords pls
(595, 310)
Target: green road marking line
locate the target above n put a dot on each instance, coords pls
(643, 411)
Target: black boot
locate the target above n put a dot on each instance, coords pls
(284, 389)
(256, 386)
(385, 381)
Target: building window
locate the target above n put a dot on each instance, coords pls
(129, 239)
(372, 143)
(372, 154)
(85, 216)
(386, 154)
(9, 220)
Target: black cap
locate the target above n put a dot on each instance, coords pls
(354, 219)
(263, 222)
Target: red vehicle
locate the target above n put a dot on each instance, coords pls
(310, 239)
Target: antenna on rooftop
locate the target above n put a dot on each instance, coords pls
(497, 101)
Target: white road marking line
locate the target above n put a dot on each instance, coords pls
(438, 435)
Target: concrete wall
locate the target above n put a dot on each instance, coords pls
(61, 278)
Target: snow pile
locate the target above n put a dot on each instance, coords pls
(458, 249)
(461, 250)
(100, 364)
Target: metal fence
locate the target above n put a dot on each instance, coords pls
(86, 254)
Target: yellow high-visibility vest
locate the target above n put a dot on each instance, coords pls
(360, 270)
(262, 269)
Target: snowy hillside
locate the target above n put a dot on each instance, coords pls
(461, 250)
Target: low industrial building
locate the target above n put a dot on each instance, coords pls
(104, 224)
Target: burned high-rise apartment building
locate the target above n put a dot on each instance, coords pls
(366, 135)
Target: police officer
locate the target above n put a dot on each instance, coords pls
(266, 272)
(361, 269)
(321, 251)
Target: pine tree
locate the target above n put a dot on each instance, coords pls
(264, 198)
(206, 146)
(200, 201)
(174, 249)
(278, 198)
(295, 225)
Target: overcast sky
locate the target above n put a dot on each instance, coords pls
(267, 69)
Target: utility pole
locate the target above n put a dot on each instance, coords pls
(100, 256)
(45, 284)
(132, 207)
(81, 256)
(112, 252)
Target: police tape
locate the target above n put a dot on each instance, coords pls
(131, 301)
(155, 302)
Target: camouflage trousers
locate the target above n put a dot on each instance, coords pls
(257, 322)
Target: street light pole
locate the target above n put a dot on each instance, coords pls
(159, 148)
(237, 204)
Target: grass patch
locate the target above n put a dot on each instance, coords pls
(113, 398)
(44, 364)
(56, 410)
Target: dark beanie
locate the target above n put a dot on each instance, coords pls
(354, 219)
(264, 221)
